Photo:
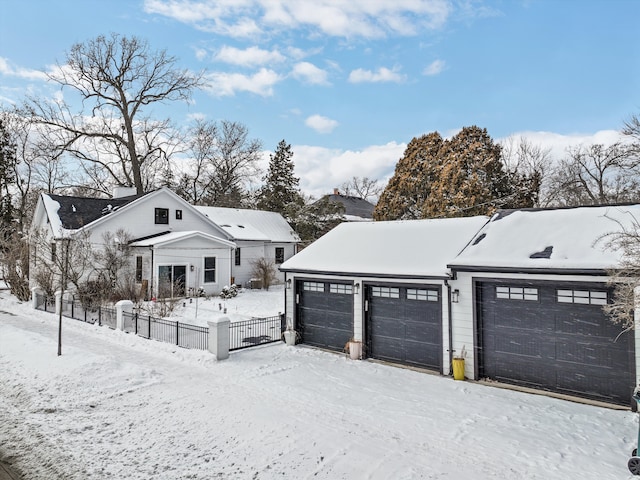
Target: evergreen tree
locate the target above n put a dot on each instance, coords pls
(8, 161)
(408, 189)
(281, 192)
(460, 177)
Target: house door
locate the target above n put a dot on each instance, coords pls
(172, 280)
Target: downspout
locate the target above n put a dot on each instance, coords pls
(153, 269)
(450, 327)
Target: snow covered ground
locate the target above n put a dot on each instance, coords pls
(117, 406)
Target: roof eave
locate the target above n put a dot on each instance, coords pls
(364, 274)
(529, 270)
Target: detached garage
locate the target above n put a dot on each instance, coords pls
(533, 286)
(383, 283)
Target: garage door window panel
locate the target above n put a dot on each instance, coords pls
(516, 293)
(583, 297)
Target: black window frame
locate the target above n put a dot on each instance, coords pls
(161, 216)
(238, 257)
(178, 214)
(279, 255)
(209, 270)
(138, 268)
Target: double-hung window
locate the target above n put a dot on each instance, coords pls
(209, 269)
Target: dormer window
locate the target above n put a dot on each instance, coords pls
(162, 216)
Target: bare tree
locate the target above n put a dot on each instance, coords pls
(596, 175)
(116, 78)
(265, 271)
(362, 187)
(225, 163)
(523, 158)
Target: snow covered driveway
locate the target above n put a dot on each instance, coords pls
(116, 406)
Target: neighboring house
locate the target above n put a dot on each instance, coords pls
(177, 249)
(522, 294)
(355, 209)
(257, 234)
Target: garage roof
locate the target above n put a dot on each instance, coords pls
(407, 248)
(558, 239)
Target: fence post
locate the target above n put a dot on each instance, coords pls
(177, 333)
(219, 337)
(35, 291)
(123, 306)
(58, 295)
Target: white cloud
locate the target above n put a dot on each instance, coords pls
(322, 169)
(200, 53)
(309, 73)
(222, 84)
(434, 68)
(381, 75)
(251, 56)
(559, 143)
(355, 18)
(11, 71)
(321, 124)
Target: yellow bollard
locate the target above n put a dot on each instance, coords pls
(458, 368)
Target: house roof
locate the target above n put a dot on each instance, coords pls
(171, 237)
(354, 208)
(406, 248)
(558, 239)
(76, 212)
(244, 224)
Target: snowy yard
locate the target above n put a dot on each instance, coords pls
(117, 406)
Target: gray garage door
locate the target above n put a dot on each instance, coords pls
(404, 325)
(554, 337)
(325, 313)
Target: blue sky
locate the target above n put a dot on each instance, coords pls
(349, 83)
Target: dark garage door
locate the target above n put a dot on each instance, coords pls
(554, 337)
(325, 313)
(404, 325)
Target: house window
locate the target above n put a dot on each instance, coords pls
(313, 286)
(139, 268)
(423, 295)
(279, 254)
(53, 252)
(584, 297)
(517, 293)
(162, 216)
(385, 292)
(238, 256)
(341, 288)
(178, 214)
(209, 269)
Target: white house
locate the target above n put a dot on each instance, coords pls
(177, 249)
(257, 234)
(521, 293)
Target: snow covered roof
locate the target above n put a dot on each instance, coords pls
(406, 248)
(244, 224)
(560, 239)
(72, 213)
(170, 237)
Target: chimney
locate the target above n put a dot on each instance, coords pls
(336, 191)
(119, 192)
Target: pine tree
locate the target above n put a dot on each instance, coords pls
(8, 161)
(281, 192)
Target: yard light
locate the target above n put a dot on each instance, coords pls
(455, 296)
